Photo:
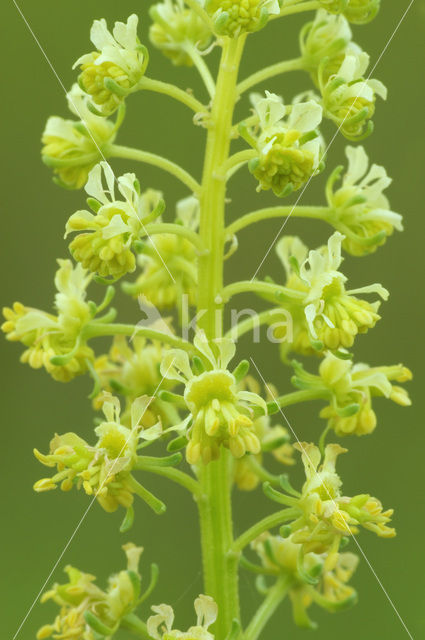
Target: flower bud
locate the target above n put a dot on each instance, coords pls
(109, 74)
(234, 17)
(176, 30)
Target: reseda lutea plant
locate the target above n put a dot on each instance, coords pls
(189, 396)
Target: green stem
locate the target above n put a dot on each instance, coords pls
(178, 230)
(197, 8)
(215, 509)
(118, 151)
(202, 67)
(254, 322)
(219, 562)
(95, 330)
(312, 5)
(262, 288)
(267, 608)
(172, 91)
(297, 64)
(238, 159)
(269, 522)
(132, 623)
(304, 395)
(181, 478)
(318, 213)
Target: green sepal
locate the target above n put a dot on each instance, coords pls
(152, 583)
(255, 568)
(96, 624)
(107, 281)
(286, 191)
(115, 88)
(253, 164)
(241, 370)
(285, 531)
(220, 23)
(165, 461)
(128, 521)
(349, 410)
(136, 584)
(177, 444)
(198, 365)
(173, 398)
(97, 386)
(94, 204)
(271, 445)
(286, 485)
(277, 496)
(261, 585)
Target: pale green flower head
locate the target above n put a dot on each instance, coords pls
(168, 263)
(106, 244)
(72, 147)
(327, 36)
(160, 625)
(132, 369)
(315, 578)
(220, 412)
(235, 17)
(361, 211)
(109, 74)
(86, 610)
(327, 515)
(356, 11)
(55, 342)
(347, 98)
(176, 30)
(102, 470)
(287, 142)
(328, 316)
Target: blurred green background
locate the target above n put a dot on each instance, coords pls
(389, 464)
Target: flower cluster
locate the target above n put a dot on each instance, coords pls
(169, 263)
(312, 578)
(160, 625)
(356, 11)
(176, 30)
(105, 245)
(102, 470)
(360, 210)
(55, 342)
(72, 147)
(235, 17)
(326, 514)
(109, 74)
(326, 314)
(351, 388)
(274, 439)
(220, 413)
(288, 144)
(132, 369)
(87, 610)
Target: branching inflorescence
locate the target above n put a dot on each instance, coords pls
(187, 394)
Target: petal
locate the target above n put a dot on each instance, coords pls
(206, 611)
(176, 366)
(358, 163)
(305, 116)
(138, 409)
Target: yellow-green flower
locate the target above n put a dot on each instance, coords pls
(102, 470)
(288, 145)
(348, 99)
(109, 74)
(353, 387)
(274, 439)
(72, 147)
(160, 625)
(169, 263)
(55, 342)
(220, 414)
(85, 609)
(106, 244)
(234, 17)
(327, 515)
(356, 11)
(326, 37)
(177, 30)
(360, 210)
(314, 578)
(328, 316)
(133, 370)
